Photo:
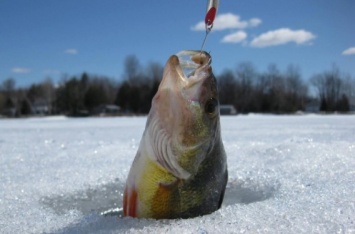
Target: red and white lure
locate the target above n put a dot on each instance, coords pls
(212, 7)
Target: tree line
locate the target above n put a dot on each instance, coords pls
(270, 91)
(274, 91)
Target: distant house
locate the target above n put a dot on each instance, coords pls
(104, 110)
(41, 107)
(10, 112)
(312, 106)
(227, 110)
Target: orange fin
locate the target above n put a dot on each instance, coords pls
(130, 203)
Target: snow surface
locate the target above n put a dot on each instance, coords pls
(287, 174)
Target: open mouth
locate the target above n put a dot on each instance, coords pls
(194, 64)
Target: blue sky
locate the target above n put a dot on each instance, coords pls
(49, 38)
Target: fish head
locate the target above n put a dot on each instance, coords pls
(186, 110)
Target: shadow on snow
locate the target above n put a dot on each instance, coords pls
(101, 205)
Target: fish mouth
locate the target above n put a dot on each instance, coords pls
(193, 66)
(186, 69)
(192, 61)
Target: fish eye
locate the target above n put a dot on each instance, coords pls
(211, 106)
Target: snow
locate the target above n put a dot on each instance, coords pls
(287, 174)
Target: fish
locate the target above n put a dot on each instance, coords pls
(180, 168)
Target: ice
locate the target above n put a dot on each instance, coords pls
(287, 174)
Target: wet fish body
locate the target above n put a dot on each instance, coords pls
(180, 168)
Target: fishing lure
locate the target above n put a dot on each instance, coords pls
(212, 7)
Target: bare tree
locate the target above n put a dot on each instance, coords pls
(348, 87)
(246, 76)
(8, 86)
(2, 102)
(275, 91)
(132, 69)
(155, 74)
(227, 87)
(329, 86)
(295, 88)
(10, 99)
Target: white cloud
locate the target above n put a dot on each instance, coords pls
(200, 26)
(21, 70)
(228, 21)
(254, 22)
(349, 51)
(282, 36)
(71, 51)
(235, 37)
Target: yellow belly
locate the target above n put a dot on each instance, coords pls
(157, 192)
